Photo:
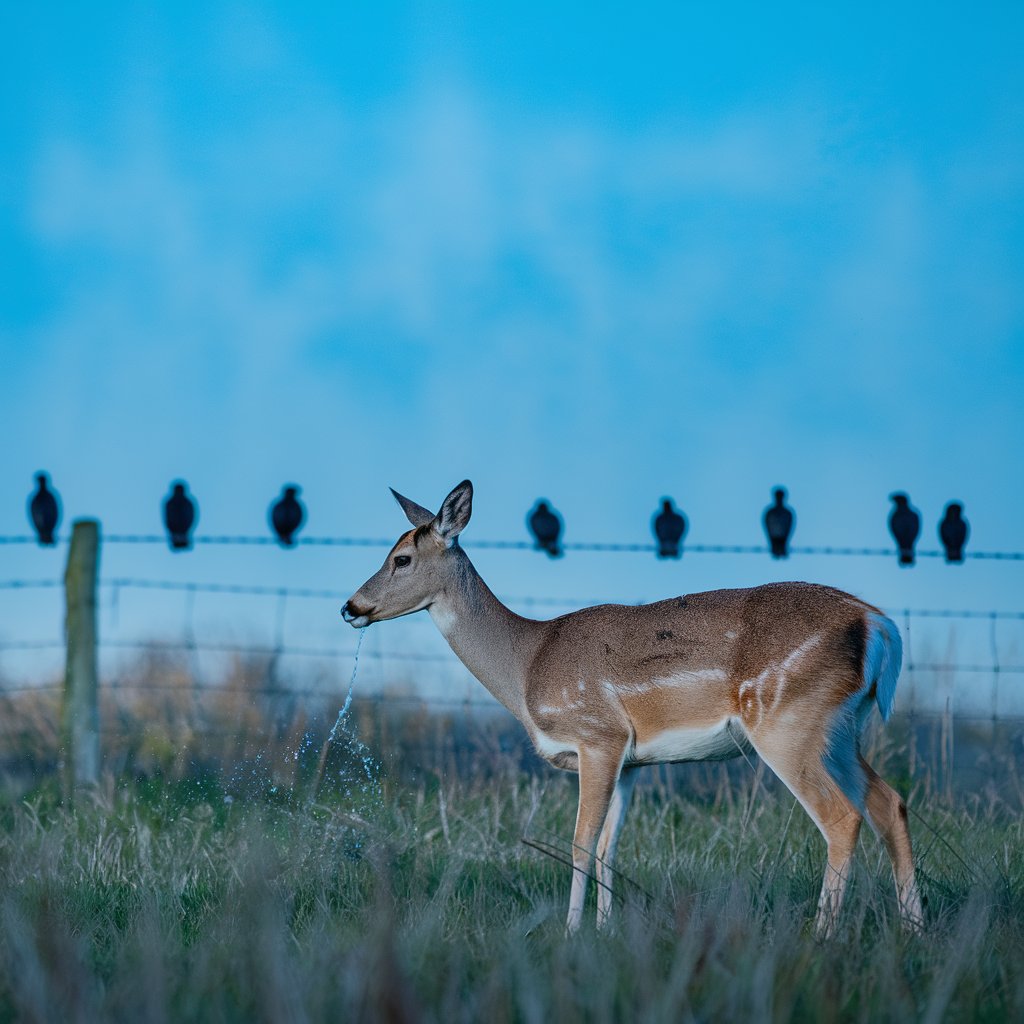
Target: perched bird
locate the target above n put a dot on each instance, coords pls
(778, 524)
(905, 526)
(953, 532)
(179, 517)
(44, 510)
(287, 515)
(546, 526)
(669, 527)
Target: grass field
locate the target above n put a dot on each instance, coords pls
(410, 895)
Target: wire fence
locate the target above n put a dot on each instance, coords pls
(996, 666)
(526, 545)
(327, 593)
(192, 699)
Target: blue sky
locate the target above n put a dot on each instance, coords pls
(599, 253)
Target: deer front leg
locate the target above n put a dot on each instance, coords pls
(598, 774)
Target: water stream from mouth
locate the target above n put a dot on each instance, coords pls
(351, 685)
(322, 764)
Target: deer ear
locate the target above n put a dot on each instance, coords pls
(416, 514)
(455, 512)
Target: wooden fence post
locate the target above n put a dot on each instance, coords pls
(79, 726)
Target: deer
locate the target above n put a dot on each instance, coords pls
(790, 671)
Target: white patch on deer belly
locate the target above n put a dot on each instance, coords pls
(711, 743)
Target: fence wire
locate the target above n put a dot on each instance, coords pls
(329, 594)
(527, 545)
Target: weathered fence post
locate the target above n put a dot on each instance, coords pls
(79, 726)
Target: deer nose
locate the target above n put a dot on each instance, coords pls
(350, 613)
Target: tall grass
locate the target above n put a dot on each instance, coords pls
(414, 898)
(214, 877)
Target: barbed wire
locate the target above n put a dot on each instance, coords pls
(325, 594)
(526, 545)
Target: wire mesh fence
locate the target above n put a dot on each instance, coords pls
(989, 660)
(164, 704)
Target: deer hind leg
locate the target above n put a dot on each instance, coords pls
(599, 771)
(841, 838)
(887, 814)
(609, 841)
(803, 771)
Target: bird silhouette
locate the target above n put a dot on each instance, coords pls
(287, 515)
(905, 526)
(546, 526)
(669, 527)
(179, 517)
(778, 524)
(44, 510)
(953, 532)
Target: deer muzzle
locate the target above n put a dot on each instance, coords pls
(356, 616)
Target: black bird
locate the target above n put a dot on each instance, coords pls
(179, 517)
(953, 532)
(287, 515)
(905, 526)
(669, 527)
(44, 510)
(778, 524)
(546, 526)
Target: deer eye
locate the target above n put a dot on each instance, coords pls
(401, 561)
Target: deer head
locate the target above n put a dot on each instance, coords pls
(420, 564)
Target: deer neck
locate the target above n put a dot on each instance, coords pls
(494, 643)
